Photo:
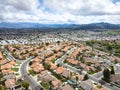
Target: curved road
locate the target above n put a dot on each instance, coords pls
(27, 78)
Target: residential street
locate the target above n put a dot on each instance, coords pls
(60, 60)
(33, 84)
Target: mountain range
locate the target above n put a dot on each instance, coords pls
(92, 26)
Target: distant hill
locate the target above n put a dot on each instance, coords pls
(98, 26)
(32, 25)
(92, 26)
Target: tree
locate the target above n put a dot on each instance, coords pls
(58, 42)
(25, 85)
(30, 54)
(1, 75)
(26, 51)
(71, 74)
(30, 63)
(54, 51)
(35, 54)
(14, 50)
(82, 60)
(86, 77)
(112, 70)
(47, 44)
(90, 43)
(77, 78)
(106, 73)
(109, 47)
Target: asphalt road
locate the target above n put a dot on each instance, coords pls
(33, 84)
(71, 68)
(27, 78)
(10, 57)
(95, 79)
(98, 75)
(61, 60)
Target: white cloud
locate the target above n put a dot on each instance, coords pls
(60, 11)
(21, 5)
(84, 7)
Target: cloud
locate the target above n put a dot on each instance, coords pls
(85, 7)
(59, 11)
(21, 5)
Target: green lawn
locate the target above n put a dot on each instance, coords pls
(18, 63)
(32, 72)
(15, 69)
(61, 78)
(92, 72)
(45, 85)
(53, 61)
(17, 74)
(99, 86)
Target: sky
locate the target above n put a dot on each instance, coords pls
(60, 11)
